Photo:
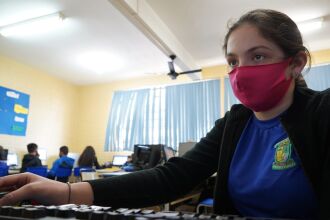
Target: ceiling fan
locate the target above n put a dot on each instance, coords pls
(173, 74)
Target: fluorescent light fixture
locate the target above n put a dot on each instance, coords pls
(310, 25)
(33, 25)
(100, 62)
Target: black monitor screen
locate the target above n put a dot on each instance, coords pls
(3, 154)
(142, 154)
(146, 155)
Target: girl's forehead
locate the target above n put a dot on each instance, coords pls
(246, 37)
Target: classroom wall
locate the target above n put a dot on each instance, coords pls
(320, 57)
(52, 113)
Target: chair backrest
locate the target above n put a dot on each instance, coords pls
(77, 170)
(205, 204)
(41, 170)
(63, 172)
(3, 170)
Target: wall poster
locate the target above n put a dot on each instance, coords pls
(14, 110)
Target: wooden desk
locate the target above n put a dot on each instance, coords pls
(109, 172)
(118, 173)
(13, 171)
(194, 195)
(189, 196)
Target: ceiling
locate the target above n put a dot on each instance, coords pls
(197, 26)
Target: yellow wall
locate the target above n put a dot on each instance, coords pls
(61, 113)
(51, 120)
(321, 57)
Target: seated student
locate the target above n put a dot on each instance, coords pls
(3, 159)
(32, 158)
(3, 155)
(64, 161)
(88, 158)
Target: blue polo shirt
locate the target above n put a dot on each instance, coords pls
(63, 161)
(266, 178)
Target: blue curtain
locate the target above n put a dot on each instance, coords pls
(318, 78)
(125, 126)
(162, 115)
(191, 110)
(229, 99)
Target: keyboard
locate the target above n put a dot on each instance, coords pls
(84, 212)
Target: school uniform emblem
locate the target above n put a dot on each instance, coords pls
(282, 157)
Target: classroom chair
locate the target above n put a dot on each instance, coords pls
(41, 170)
(76, 172)
(3, 170)
(62, 174)
(205, 206)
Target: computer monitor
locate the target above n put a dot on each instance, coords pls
(3, 154)
(146, 155)
(74, 156)
(42, 154)
(168, 153)
(12, 159)
(119, 160)
(185, 146)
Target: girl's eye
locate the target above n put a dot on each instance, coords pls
(232, 63)
(258, 57)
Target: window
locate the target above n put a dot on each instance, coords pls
(163, 115)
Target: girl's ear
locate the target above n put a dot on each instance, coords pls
(298, 63)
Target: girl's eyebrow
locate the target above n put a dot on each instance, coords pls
(258, 47)
(249, 50)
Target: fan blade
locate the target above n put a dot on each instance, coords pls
(171, 67)
(191, 71)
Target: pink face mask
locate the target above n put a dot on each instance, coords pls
(260, 87)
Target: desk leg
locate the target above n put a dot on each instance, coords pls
(167, 207)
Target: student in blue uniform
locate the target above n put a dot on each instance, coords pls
(63, 161)
(3, 161)
(271, 153)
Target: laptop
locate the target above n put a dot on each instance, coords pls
(119, 160)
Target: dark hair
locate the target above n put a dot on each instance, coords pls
(64, 150)
(32, 147)
(87, 158)
(276, 27)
